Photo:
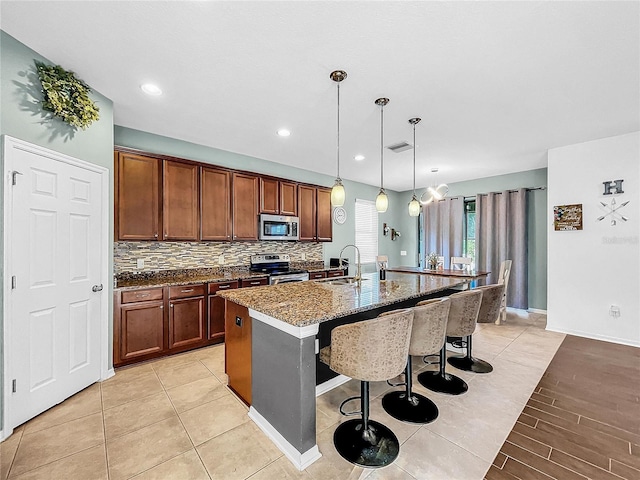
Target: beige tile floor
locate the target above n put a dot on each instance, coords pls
(175, 419)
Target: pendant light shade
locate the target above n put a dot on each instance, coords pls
(338, 195)
(414, 204)
(382, 201)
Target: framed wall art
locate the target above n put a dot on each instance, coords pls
(567, 217)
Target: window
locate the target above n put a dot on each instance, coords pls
(367, 230)
(470, 230)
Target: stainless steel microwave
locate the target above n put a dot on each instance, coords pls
(279, 227)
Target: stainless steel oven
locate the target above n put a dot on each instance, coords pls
(279, 227)
(278, 267)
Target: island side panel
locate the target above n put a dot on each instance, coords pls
(237, 352)
(284, 383)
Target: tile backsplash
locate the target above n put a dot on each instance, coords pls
(181, 255)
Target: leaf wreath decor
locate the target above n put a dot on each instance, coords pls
(66, 96)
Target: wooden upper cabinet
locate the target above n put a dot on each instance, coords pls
(288, 199)
(307, 212)
(138, 197)
(269, 196)
(323, 212)
(245, 206)
(180, 212)
(215, 204)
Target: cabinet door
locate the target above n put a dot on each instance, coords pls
(269, 197)
(180, 209)
(288, 199)
(245, 207)
(215, 204)
(138, 199)
(216, 310)
(141, 330)
(186, 322)
(323, 212)
(254, 282)
(317, 275)
(307, 212)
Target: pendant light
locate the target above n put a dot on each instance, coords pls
(434, 192)
(338, 194)
(382, 201)
(414, 204)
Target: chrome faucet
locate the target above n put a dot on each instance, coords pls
(358, 276)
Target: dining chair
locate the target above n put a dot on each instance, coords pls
(460, 263)
(503, 278)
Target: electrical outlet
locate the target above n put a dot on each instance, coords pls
(614, 311)
(303, 256)
(403, 253)
(140, 263)
(221, 260)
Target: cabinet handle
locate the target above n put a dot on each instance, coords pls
(161, 307)
(171, 305)
(155, 235)
(187, 290)
(142, 295)
(223, 286)
(255, 283)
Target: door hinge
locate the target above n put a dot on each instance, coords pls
(14, 176)
(14, 387)
(13, 282)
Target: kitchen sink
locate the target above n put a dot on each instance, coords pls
(341, 280)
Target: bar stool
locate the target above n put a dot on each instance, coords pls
(488, 313)
(461, 322)
(370, 351)
(427, 338)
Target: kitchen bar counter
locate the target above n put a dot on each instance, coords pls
(277, 332)
(307, 303)
(468, 274)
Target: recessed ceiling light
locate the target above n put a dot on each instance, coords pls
(283, 132)
(151, 89)
(358, 158)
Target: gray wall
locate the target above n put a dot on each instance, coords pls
(537, 210)
(21, 117)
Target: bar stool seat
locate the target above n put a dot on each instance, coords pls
(460, 323)
(427, 337)
(370, 351)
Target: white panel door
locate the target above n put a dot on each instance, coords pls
(55, 241)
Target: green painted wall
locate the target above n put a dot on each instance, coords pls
(21, 117)
(342, 234)
(537, 225)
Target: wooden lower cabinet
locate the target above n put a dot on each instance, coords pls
(216, 310)
(186, 323)
(238, 350)
(317, 275)
(335, 273)
(140, 332)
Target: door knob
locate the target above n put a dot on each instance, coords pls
(96, 288)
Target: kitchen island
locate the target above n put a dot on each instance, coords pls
(286, 326)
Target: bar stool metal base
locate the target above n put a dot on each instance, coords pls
(377, 447)
(416, 409)
(443, 383)
(470, 364)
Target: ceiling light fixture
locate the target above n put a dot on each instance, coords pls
(283, 132)
(414, 204)
(358, 158)
(382, 201)
(434, 193)
(151, 89)
(338, 194)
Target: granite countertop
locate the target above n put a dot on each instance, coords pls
(130, 281)
(301, 304)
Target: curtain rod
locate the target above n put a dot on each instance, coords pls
(510, 191)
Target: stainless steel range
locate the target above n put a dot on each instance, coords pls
(278, 267)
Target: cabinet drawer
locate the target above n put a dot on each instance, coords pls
(254, 282)
(317, 275)
(145, 295)
(214, 287)
(335, 273)
(184, 291)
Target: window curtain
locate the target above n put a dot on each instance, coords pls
(444, 229)
(501, 234)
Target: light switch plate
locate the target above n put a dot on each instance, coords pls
(221, 260)
(140, 263)
(403, 253)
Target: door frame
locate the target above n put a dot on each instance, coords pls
(9, 144)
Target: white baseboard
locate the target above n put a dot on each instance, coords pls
(299, 460)
(110, 373)
(603, 338)
(331, 384)
(536, 310)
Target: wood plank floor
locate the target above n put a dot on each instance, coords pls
(583, 419)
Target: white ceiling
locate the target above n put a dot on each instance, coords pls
(495, 83)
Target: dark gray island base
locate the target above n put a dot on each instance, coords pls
(290, 323)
